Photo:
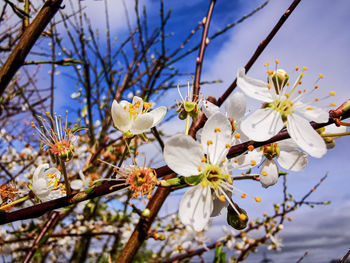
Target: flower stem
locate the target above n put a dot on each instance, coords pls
(187, 123)
(343, 123)
(18, 201)
(335, 134)
(64, 171)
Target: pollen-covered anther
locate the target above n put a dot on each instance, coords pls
(222, 198)
(316, 87)
(250, 147)
(320, 75)
(209, 142)
(217, 130)
(244, 195)
(235, 161)
(257, 199)
(243, 217)
(332, 93)
(203, 159)
(277, 61)
(264, 173)
(287, 95)
(268, 85)
(227, 146)
(267, 64)
(199, 168)
(332, 104)
(296, 68)
(305, 68)
(229, 180)
(252, 162)
(309, 108)
(237, 135)
(317, 99)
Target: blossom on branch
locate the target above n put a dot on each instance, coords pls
(281, 106)
(135, 117)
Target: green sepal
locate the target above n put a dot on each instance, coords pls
(233, 218)
(77, 129)
(220, 256)
(193, 180)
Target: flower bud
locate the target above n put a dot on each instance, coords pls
(280, 79)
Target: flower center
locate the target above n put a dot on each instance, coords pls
(213, 176)
(271, 150)
(284, 107)
(141, 181)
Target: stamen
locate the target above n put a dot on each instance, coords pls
(257, 199)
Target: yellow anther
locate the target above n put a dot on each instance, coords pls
(288, 83)
(243, 217)
(204, 183)
(266, 64)
(297, 68)
(235, 161)
(332, 93)
(264, 173)
(277, 61)
(250, 147)
(320, 75)
(270, 72)
(309, 108)
(316, 99)
(204, 159)
(257, 198)
(124, 107)
(209, 142)
(268, 85)
(299, 83)
(199, 168)
(217, 130)
(305, 68)
(222, 198)
(299, 91)
(243, 195)
(229, 181)
(316, 87)
(253, 162)
(332, 104)
(243, 174)
(237, 135)
(227, 146)
(287, 95)
(147, 105)
(224, 160)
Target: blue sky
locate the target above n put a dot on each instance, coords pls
(316, 35)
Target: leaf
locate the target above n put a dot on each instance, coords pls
(220, 256)
(77, 129)
(193, 180)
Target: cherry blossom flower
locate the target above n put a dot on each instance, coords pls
(135, 117)
(286, 153)
(45, 183)
(282, 107)
(208, 162)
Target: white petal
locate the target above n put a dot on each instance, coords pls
(329, 129)
(39, 171)
(269, 168)
(209, 108)
(236, 105)
(292, 160)
(183, 155)
(142, 123)
(305, 136)
(288, 144)
(140, 107)
(196, 207)
(244, 161)
(158, 115)
(217, 150)
(218, 206)
(199, 135)
(262, 124)
(121, 117)
(76, 184)
(40, 188)
(253, 88)
(311, 112)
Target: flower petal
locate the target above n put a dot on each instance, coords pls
(268, 173)
(248, 160)
(218, 206)
(121, 117)
(209, 108)
(158, 115)
(305, 136)
(262, 124)
(215, 136)
(39, 171)
(196, 207)
(292, 160)
(236, 105)
(288, 145)
(183, 155)
(76, 184)
(253, 88)
(329, 129)
(142, 123)
(311, 112)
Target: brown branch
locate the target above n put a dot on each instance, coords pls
(343, 259)
(204, 43)
(263, 44)
(28, 39)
